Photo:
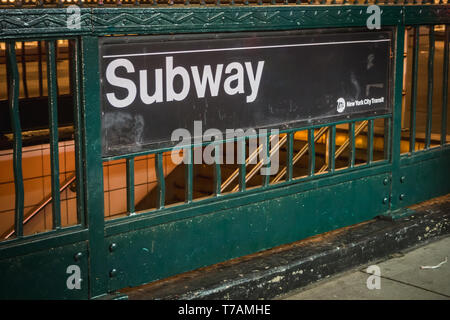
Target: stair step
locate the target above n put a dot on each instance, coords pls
(179, 194)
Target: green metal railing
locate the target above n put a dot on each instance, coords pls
(115, 247)
(137, 3)
(14, 104)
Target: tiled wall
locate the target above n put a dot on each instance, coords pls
(37, 185)
(114, 182)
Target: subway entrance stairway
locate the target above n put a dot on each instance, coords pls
(136, 218)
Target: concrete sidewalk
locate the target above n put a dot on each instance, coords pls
(401, 278)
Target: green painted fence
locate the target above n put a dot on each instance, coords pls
(140, 248)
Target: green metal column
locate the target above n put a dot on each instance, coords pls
(93, 170)
(397, 117)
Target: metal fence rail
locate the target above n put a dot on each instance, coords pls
(12, 62)
(138, 3)
(315, 133)
(115, 247)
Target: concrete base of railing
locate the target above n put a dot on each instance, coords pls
(268, 274)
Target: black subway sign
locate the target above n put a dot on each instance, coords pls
(153, 85)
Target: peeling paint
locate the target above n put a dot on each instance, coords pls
(297, 272)
(276, 279)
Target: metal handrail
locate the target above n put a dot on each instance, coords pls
(299, 154)
(43, 204)
(235, 173)
(345, 144)
(261, 162)
(254, 170)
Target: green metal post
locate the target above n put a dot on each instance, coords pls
(130, 186)
(266, 177)
(312, 152)
(370, 142)
(242, 167)
(414, 91)
(332, 149)
(93, 169)
(189, 165)
(397, 117)
(53, 123)
(430, 89)
(78, 128)
(217, 171)
(290, 151)
(13, 89)
(351, 136)
(445, 87)
(159, 167)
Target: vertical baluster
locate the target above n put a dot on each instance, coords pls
(445, 87)
(387, 138)
(332, 150)
(161, 181)
(78, 130)
(430, 88)
(290, 151)
(13, 89)
(242, 168)
(266, 178)
(53, 123)
(312, 152)
(24, 70)
(71, 76)
(56, 67)
(130, 186)
(189, 174)
(351, 137)
(92, 165)
(412, 125)
(217, 172)
(370, 142)
(40, 75)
